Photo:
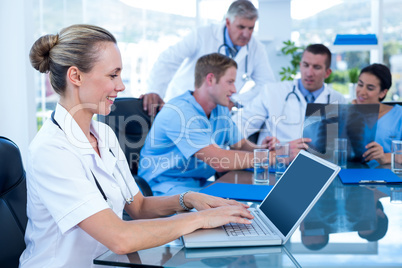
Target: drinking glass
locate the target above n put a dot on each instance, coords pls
(281, 158)
(261, 165)
(341, 152)
(396, 157)
(396, 195)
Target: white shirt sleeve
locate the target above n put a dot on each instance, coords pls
(251, 118)
(261, 72)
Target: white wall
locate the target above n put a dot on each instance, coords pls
(17, 108)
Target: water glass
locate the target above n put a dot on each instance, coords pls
(281, 158)
(396, 157)
(261, 165)
(341, 152)
(396, 195)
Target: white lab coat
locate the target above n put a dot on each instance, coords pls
(173, 73)
(274, 116)
(62, 193)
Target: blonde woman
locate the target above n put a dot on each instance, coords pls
(78, 180)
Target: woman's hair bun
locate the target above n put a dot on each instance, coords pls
(40, 52)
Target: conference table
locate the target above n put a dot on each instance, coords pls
(350, 226)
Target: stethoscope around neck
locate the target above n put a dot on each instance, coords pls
(232, 54)
(288, 96)
(129, 199)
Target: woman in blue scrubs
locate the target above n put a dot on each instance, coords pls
(374, 83)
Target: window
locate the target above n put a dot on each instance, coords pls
(318, 21)
(143, 29)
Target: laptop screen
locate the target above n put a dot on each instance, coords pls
(294, 192)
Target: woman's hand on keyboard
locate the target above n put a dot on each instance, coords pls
(215, 217)
(201, 201)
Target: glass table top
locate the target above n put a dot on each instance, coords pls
(350, 226)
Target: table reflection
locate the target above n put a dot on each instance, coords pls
(345, 209)
(177, 256)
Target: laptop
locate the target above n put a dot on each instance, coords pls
(355, 122)
(282, 210)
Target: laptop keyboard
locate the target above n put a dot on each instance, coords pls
(240, 229)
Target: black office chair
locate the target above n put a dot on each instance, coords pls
(13, 200)
(254, 137)
(131, 124)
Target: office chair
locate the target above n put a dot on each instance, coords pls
(131, 124)
(254, 137)
(13, 200)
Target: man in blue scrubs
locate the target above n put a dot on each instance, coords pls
(190, 138)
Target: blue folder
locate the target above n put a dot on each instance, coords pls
(245, 192)
(368, 176)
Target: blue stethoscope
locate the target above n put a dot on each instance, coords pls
(290, 94)
(293, 92)
(232, 53)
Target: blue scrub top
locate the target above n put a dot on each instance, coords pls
(181, 129)
(389, 127)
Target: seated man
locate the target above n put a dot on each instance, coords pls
(279, 109)
(189, 138)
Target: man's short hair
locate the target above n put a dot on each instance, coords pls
(215, 63)
(243, 9)
(320, 49)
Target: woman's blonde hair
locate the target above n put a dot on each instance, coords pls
(77, 45)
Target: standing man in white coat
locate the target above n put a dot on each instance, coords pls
(173, 73)
(279, 109)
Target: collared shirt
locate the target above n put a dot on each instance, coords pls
(62, 191)
(181, 129)
(229, 42)
(306, 92)
(270, 113)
